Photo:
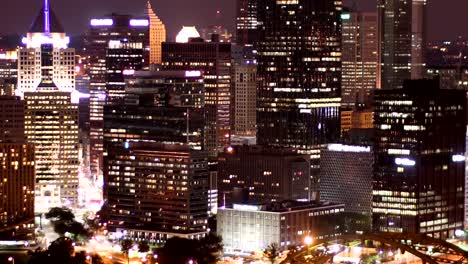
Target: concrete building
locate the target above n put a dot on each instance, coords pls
(8, 72)
(256, 174)
(356, 119)
(251, 228)
(346, 177)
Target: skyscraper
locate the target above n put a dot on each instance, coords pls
(157, 35)
(419, 172)
(122, 58)
(8, 71)
(96, 41)
(214, 60)
(360, 70)
(46, 79)
(299, 71)
(402, 28)
(246, 22)
(46, 28)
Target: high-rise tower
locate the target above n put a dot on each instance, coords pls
(402, 26)
(157, 35)
(51, 119)
(299, 71)
(46, 29)
(246, 22)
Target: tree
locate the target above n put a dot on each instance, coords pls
(143, 247)
(63, 221)
(126, 245)
(210, 249)
(272, 252)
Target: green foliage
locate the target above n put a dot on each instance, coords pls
(143, 247)
(63, 221)
(181, 250)
(272, 252)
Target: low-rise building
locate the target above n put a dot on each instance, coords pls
(254, 227)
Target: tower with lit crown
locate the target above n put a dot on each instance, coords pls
(46, 29)
(51, 120)
(157, 35)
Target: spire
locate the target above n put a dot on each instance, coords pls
(46, 21)
(46, 17)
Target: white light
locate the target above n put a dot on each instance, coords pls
(405, 162)
(192, 73)
(186, 33)
(348, 148)
(458, 158)
(128, 72)
(118, 235)
(139, 22)
(102, 22)
(245, 207)
(459, 233)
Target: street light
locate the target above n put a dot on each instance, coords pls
(308, 241)
(12, 260)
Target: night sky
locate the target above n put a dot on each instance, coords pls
(447, 18)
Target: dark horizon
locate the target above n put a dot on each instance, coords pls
(18, 15)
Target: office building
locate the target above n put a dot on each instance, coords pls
(162, 107)
(361, 67)
(8, 72)
(46, 29)
(299, 73)
(122, 58)
(156, 191)
(402, 30)
(252, 228)
(11, 119)
(96, 41)
(214, 60)
(246, 22)
(447, 53)
(346, 177)
(256, 174)
(419, 172)
(17, 191)
(361, 118)
(157, 35)
(244, 96)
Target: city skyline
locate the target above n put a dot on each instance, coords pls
(76, 23)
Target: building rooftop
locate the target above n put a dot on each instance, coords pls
(284, 206)
(46, 21)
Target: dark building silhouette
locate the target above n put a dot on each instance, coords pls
(419, 173)
(246, 22)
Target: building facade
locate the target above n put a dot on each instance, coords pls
(17, 176)
(252, 228)
(356, 119)
(96, 41)
(419, 172)
(256, 174)
(299, 73)
(213, 59)
(8, 72)
(11, 119)
(157, 35)
(346, 177)
(402, 30)
(246, 22)
(360, 69)
(156, 191)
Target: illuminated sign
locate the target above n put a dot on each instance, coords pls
(345, 16)
(245, 207)
(348, 148)
(458, 158)
(405, 162)
(192, 73)
(102, 22)
(139, 22)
